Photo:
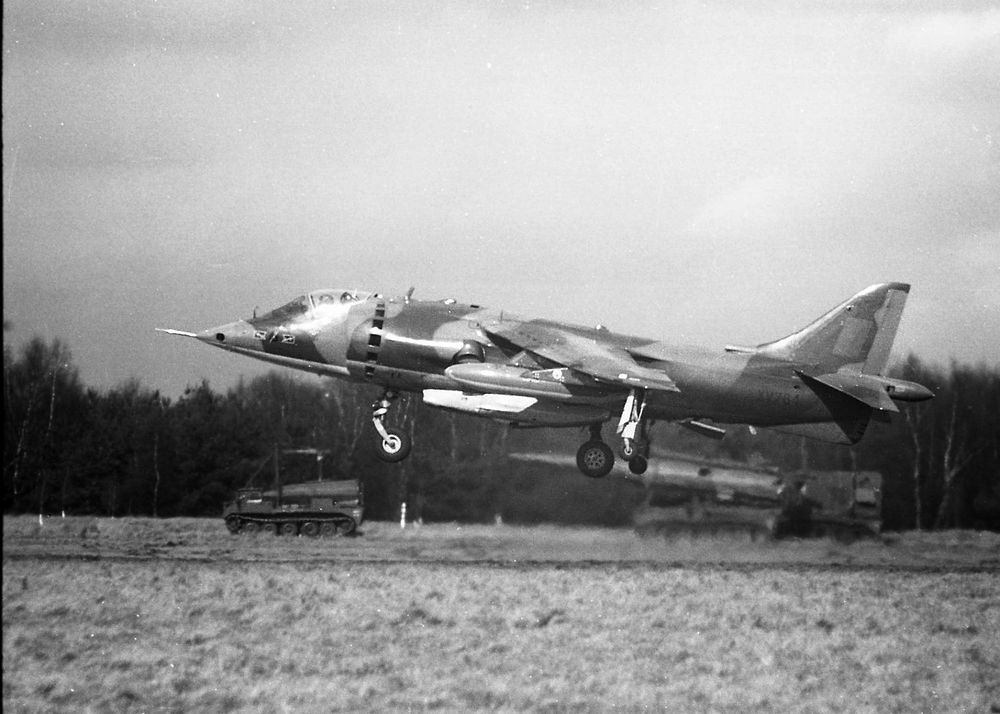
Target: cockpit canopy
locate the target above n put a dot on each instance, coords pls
(316, 299)
(337, 296)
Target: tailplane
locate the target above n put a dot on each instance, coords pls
(842, 357)
(856, 335)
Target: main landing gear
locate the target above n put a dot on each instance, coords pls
(595, 458)
(634, 432)
(392, 446)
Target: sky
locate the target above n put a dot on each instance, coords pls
(697, 172)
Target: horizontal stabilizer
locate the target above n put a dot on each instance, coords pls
(867, 391)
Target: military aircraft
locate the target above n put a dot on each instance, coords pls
(825, 381)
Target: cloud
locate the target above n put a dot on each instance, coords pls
(949, 36)
(756, 207)
(612, 164)
(98, 26)
(956, 54)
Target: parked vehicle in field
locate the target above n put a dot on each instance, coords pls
(317, 508)
(692, 495)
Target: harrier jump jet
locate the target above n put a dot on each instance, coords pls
(826, 381)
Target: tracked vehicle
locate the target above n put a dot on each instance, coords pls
(318, 508)
(694, 496)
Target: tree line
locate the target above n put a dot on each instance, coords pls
(130, 450)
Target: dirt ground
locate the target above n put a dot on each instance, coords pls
(179, 615)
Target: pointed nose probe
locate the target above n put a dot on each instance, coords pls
(232, 334)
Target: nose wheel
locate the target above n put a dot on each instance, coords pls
(392, 445)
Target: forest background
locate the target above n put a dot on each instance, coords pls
(131, 451)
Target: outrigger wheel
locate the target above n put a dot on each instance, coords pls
(595, 459)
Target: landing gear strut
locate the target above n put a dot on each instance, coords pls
(633, 430)
(392, 446)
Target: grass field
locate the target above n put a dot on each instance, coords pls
(143, 615)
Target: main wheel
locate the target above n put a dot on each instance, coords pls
(346, 527)
(251, 527)
(595, 459)
(638, 464)
(310, 529)
(328, 529)
(289, 529)
(395, 447)
(268, 528)
(233, 523)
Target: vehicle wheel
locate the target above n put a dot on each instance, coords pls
(328, 529)
(310, 529)
(595, 459)
(394, 448)
(251, 527)
(347, 527)
(289, 529)
(638, 464)
(234, 524)
(268, 528)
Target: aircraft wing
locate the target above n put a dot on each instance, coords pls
(605, 362)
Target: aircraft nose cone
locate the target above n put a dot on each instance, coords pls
(233, 334)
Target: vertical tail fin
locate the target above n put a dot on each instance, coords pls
(857, 334)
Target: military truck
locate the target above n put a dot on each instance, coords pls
(317, 508)
(687, 495)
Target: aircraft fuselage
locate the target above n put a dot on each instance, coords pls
(409, 345)
(826, 380)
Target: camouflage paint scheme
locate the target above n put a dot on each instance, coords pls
(825, 381)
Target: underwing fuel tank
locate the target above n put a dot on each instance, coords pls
(562, 383)
(518, 410)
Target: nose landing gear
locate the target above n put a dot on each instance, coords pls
(392, 445)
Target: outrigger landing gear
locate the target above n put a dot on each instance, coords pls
(633, 430)
(595, 458)
(392, 446)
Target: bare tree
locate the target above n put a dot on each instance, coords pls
(957, 455)
(914, 419)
